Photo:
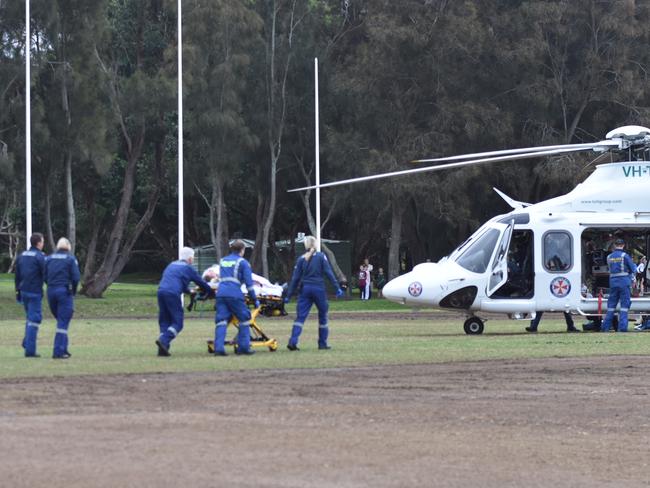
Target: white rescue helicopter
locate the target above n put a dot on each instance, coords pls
(549, 256)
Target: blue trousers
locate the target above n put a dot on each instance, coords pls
(33, 312)
(228, 307)
(309, 296)
(617, 293)
(170, 317)
(61, 304)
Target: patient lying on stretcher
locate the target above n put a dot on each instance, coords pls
(269, 295)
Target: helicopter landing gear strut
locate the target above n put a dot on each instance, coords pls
(473, 326)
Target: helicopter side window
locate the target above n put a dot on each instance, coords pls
(477, 256)
(557, 249)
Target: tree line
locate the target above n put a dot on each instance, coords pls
(398, 81)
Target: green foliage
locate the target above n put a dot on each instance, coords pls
(398, 80)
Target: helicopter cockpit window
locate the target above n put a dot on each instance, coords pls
(477, 256)
(557, 249)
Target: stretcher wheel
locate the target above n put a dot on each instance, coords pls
(273, 346)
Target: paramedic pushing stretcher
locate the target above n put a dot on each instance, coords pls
(621, 273)
(308, 280)
(234, 271)
(174, 283)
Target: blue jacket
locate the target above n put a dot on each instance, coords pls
(312, 273)
(621, 268)
(233, 272)
(177, 276)
(62, 270)
(30, 271)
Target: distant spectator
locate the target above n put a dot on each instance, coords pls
(366, 292)
(362, 280)
(380, 281)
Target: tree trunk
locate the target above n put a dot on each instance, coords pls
(98, 283)
(218, 218)
(268, 222)
(397, 213)
(48, 213)
(256, 257)
(72, 219)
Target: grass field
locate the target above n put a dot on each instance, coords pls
(112, 346)
(134, 298)
(116, 335)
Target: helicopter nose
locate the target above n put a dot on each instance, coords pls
(395, 289)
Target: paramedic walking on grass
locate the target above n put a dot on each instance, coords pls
(62, 278)
(30, 271)
(174, 283)
(235, 271)
(308, 281)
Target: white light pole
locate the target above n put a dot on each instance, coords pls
(317, 136)
(28, 126)
(181, 223)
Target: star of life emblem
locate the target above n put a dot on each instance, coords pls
(560, 287)
(415, 289)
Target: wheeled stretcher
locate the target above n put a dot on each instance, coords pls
(258, 337)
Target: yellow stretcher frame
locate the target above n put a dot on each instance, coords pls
(258, 337)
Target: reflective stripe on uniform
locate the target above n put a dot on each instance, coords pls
(235, 272)
(62, 331)
(611, 310)
(222, 323)
(618, 274)
(33, 324)
(173, 331)
(230, 280)
(322, 326)
(297, 324)
(245, 323)
(625, 309)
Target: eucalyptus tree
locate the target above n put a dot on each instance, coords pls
(69, 88)
(12, 125)
(140, 84)
(222, 36)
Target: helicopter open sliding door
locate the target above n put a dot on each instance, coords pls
(596, 244)
(499, 267)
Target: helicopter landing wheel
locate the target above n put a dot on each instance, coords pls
(473, 326)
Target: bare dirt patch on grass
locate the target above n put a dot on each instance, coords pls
(549, 422)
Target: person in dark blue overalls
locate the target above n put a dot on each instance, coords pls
(308, 279)
(621, 273)
(234, 271)
(30, 271)
(62, 278)
(174, 282)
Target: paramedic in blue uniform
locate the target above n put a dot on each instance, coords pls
(308, 280)
(174, 282)
(62, 278)
(234, 271)
(30, 270)
(621, 273)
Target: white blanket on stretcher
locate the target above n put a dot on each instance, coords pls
(261, 285)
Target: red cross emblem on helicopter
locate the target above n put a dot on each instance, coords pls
(560, 287)
(415, 289)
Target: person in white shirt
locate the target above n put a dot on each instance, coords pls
(367, 290)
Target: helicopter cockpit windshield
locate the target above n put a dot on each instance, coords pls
(476, 257)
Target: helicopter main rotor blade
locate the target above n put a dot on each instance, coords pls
(441, 167)
(583, 147)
